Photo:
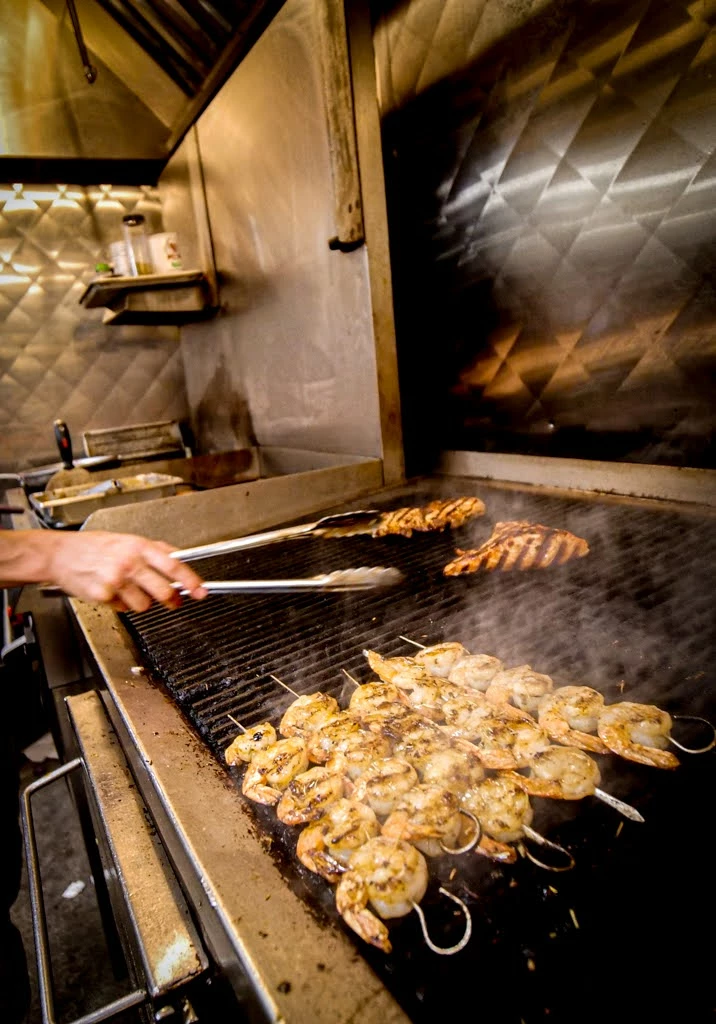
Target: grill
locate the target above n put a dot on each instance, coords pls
(634, 620)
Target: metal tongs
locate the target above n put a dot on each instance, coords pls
(343, 524)
(363, 578)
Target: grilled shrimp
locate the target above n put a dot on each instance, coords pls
(440, 659)
(638, 732)
(502, 808)
(368, 695)
(391, 876)
(422, 693)
(387, 717)
(503, 742)
(354, 762)
(307, 713)
(341, 733)
(416, 747)
(325, 846)
(560, 773)
(401, 671)
(247, 744)
(383, 784)
(465, 712)
(415, 740)
(457, 768)
(425, 815)
(475, 671)
(570, 714)
(271, 770)
(308, 795)
(520, 685)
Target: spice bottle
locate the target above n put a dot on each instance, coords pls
(135, 237)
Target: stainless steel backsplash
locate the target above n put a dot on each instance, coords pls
(551, 174)
(290, 359)
(56, 358)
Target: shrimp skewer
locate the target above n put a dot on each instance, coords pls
(567, 773)
(342, 733)
(457, 768)
(521, 685)
(471, 671)
(384, 783)
(249, 741)
(430, 694)
(638, 732)
(368, 695)
(504, 811)
(391, 876)
(464, 715)
(504, 743)
(570, 715)
(326, 845)
(272, 769)
(307, 712)
(429, 817)
(308, 795)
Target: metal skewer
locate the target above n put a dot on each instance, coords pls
(695, 750)
(626, 809)
(446, 950)
(536, 837)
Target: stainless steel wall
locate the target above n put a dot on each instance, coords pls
(56, 358)
(290, 361)
(551, 173)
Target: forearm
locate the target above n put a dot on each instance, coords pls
(124, 569)
(26, 556)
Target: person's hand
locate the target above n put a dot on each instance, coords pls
(120, 569)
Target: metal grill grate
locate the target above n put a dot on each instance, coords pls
(634, 619)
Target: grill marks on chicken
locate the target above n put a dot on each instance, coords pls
(519, 545)
(437, 515)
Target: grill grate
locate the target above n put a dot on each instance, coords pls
(634, 619)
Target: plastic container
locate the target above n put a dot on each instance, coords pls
(137, 242)
(166, 256)
(119, 258)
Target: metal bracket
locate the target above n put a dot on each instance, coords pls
(87, 66)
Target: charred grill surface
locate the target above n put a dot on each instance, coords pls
(634, 619)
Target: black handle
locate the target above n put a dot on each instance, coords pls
(64, 443)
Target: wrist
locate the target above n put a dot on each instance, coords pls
(28, 556)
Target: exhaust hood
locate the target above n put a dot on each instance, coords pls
(158, 63)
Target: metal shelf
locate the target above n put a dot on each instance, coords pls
(151, 299)
(106, 290)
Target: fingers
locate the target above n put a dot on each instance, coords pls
(156, 585)
(159, 557)
(131, 598)
(126, 571)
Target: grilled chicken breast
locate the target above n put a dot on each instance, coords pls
(437, 515)
(519, 545)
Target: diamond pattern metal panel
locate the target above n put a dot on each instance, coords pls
(56, 358)
(551, 176)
